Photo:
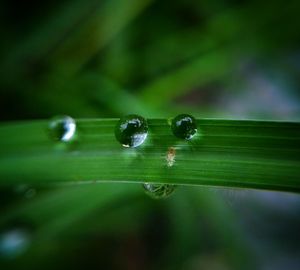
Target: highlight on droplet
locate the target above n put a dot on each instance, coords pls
(131, 130)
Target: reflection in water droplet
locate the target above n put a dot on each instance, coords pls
(14, 242)
(184, 126)
(159, 191)
(62, 128)
(131, 130)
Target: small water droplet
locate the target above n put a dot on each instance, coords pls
(62, 128)
(184, 126)
(158, 191)
(14, 242)
(131, 130)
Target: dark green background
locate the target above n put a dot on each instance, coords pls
(224, 59)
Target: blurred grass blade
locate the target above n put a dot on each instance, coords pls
(52, 214)
(72, 35)
(246, 154)
(96, 32)
(46, 36)
(101, 89)
(58, 208)
(200, 71)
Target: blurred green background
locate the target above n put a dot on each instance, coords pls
(217, 59)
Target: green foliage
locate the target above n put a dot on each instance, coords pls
(99, 60)
(253, 154)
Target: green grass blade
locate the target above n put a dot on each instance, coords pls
(228, 153)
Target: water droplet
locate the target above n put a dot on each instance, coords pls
(131, 130)
(184, 126)
(62, 128)
(159, 191)
(14, 242)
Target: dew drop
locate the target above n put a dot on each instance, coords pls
(158, 191)
(14, 242)
(184, 126)
(62, 128)
(131, 130)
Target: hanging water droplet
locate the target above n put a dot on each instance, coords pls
(131, 130)
(159, 191)
(62, 128)
(14, 242)
(184, 126)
